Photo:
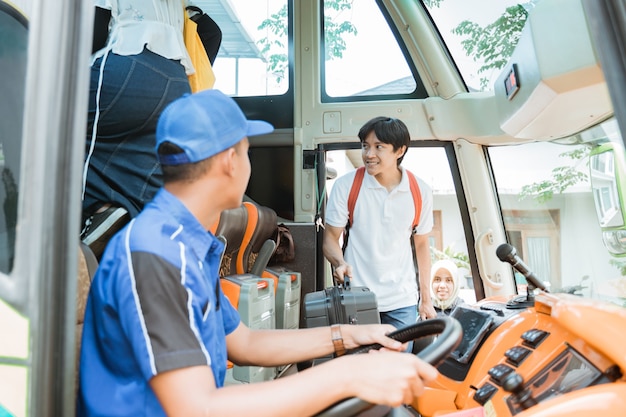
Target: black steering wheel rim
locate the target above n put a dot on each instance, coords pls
(449, 333)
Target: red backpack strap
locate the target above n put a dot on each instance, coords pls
(417, 198)
(354, 192)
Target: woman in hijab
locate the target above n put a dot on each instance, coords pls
(444, 286)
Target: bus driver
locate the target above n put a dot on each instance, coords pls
(158, 329)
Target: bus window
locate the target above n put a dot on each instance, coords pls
(431, 164)
(13, 47)
(480, 39)
(253, 57)
(550, 216)
(13, 362)
(255, 66)
(13, 326)
(358, 40)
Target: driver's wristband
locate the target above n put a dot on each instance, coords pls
(335, 333)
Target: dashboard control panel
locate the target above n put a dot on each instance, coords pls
(512, 360)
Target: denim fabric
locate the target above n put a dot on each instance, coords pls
(400, 318)
(123, 169)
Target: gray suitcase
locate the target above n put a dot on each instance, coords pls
(341, 304)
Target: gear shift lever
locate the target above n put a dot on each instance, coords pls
(514, 383)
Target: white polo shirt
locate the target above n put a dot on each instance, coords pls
(379, 247)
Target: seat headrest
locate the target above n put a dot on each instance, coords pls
(232, 225)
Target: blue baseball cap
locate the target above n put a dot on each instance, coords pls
(202, 125)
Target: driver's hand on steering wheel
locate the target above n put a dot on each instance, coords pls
(367, 334)
(389, 378)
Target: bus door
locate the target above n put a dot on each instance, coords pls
(388, 59)
(44, 56)
(14, 345)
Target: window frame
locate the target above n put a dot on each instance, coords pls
(461, 199)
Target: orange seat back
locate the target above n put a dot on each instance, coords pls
(261, 225)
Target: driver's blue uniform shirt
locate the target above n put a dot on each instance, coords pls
(155, 305)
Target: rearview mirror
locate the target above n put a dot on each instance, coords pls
(607, 164)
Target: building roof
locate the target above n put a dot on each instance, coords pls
(236, 42)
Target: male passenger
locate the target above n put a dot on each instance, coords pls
(158, 328)
(378, 254)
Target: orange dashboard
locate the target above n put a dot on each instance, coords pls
(564, 356)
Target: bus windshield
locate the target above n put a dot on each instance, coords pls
(547, 200)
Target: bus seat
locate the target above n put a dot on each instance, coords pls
(87, 265)
(257, 245)
(250, 244)
(213, 228)
(231, 226)
(257, 248)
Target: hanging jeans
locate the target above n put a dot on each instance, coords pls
(122, 166)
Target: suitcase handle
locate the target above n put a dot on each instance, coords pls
(345, 284)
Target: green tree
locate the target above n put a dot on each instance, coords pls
(562, 178)
(620, 265)
(334, 29)
(274, 45)
(460, 259)
(494, 43)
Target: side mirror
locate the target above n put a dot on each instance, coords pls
(607, 164)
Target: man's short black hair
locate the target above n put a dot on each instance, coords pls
(387, 130)
(182, 172)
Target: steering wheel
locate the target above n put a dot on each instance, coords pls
(450, 335)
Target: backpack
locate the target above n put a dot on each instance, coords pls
(354, 194)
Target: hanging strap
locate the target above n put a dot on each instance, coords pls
(354, 192)
(417, 199)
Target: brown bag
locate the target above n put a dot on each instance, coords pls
(285, 249)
